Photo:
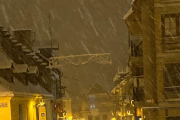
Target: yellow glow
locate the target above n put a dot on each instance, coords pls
(70, 118)
(41, 103)
(132, 102)
(32, 110)
(5, 112)
(113, 119)
(129, 113)
(138, 111)
(119, 114)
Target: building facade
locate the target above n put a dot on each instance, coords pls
(96, 104)
(153, 27)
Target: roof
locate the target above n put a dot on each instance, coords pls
(96, 89)
(5, 61)
(20, 68)
(17, 88)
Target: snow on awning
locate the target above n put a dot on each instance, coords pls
(5, 64)
(32, 69)
(130, 11)
(20, 68)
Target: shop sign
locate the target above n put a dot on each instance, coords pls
(42, 113)
(3, 104)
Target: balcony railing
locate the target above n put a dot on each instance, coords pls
(172, 89)
(171, 43)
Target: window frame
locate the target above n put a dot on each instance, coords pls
(172, 84)
(177, 19)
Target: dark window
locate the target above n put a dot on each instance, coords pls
(104, 117)
(139, 71)
(172, 77)
(173, 118)
(89, 117)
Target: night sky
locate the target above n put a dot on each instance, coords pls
(80, 27)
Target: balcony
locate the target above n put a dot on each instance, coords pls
(171, 43)
(172, 92)
(136, 51)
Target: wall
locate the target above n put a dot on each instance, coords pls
(5, 112)
(29, 108)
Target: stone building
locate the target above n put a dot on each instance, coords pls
(96, 104)
(153, 27)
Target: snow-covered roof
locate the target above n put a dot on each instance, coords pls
(20, 68)
(17, 88)
(96, 89)
(32, 69)
(5, 61)
(130, 11)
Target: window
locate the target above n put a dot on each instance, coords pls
(139, 71)
(172, 77)
(170, 25)
(104, 117)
